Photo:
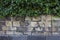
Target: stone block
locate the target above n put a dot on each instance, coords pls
(16, 23)
(8, 23)
(48, 17)
(38, 29)
(46, 29)
(1, 32)
(41, 24)
(33, 24)
(36, 19)
(27, 33)
(28, 18)
(9, 28)
(9, 32)
(30, 29)
(53, 29)
(13, 28)
(0, 27)
(46, 33)
(58, 29)
(43, 17)
(55, 33)
(21, 29)
(5, 28)
(37, 33)
(47, 24)
(2, 23)
(18, 33)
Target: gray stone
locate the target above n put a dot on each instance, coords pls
(8, 23)
(9, 32)
(27, 33)
(13, 28)
(21, 29)
(33, 24)
(28, 18)
(55, 33)
(16, 23)
(38, 29)
(36, 19)
(30, 28)
(1, 32)
(5, 28)
(41, 24)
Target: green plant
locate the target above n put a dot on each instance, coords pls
(29, 7)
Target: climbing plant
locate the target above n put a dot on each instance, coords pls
(29, 7)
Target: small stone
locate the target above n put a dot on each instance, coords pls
(2, 23)
(55, 33)
(4, 28)
(30, 29)
(16, 23)
(27, 33)
(18, 33)
(38, 29)
(48, 17)
(9, 32)
(28, 18)
(1, 32)
(54, 29)
(43, 17)
(45, 33)
(13, 28)
(41, 24)
(8, 23)
(46, 29)
(58, 29)
(36, 19)
(48, 24)
(33, 24)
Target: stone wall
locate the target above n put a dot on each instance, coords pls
(31, 26)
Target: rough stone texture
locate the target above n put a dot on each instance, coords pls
(9, 32)
(28, 18)
(30, 25)
(16, 23)
(41, 24)
(13, 28)
(1, 25)
(4, 28)
(1, 32)
(30, 28)
(8, 23)
(36, 19)
(33, 24)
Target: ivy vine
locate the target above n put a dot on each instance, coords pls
(29, 7)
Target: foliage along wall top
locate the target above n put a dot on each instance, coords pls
(29, 7)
